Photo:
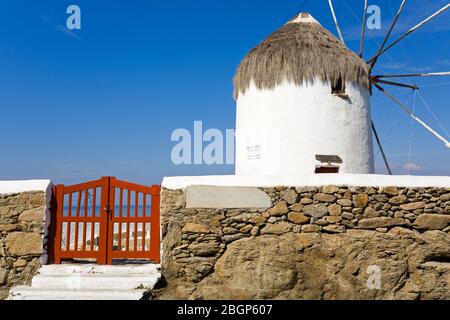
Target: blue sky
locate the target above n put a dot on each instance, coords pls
(104, 100)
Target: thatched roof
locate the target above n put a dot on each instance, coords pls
(300, 51)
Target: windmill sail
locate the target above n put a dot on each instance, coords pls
(409, 32)
(416, 118)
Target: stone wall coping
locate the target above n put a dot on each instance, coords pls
(226, 197)
(356, 180)
(19, 186)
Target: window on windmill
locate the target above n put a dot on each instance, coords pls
(338, 88)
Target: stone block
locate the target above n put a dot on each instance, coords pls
(23, 243)
(279, 209)
(195, 228)
(298, 218)
(432, 222)
(278, 228)
(316, 210)
(226, 197)
(32, 215)
(360, 200)
(381, 222)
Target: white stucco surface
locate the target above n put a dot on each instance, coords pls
(280, 131)
(359, 180)
(18, 186)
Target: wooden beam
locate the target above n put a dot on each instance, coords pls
(408, 33)
(363, 32)
(389, 32)
(330, 2)
(433, 74)
(380, 146)
(398, 84)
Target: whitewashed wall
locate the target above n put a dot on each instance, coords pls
(292, 124)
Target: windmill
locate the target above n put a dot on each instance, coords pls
(380, 81)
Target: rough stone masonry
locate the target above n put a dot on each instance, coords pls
(21, 234)
(311, 243)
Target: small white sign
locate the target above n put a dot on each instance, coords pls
(254, 152)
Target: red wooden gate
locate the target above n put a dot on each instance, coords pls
(105, 219)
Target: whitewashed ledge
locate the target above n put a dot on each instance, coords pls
(19, 186)
(356, 180)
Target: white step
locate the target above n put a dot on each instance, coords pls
(89, 282)
(92, 281)
(67, 269)
(29, 293)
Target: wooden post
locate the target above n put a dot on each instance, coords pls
(155, 233)
(56, 217)
(103, 236)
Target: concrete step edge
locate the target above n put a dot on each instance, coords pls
(29, 293)
(56, 289)
(95, 269)
(94, 282)
(97, 276)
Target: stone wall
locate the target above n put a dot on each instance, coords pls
(22, 221)
(325, 242)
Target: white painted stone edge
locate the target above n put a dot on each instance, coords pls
(19, 186)
(218, 197)
(357, 180)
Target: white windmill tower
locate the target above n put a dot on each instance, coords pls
(303, 102)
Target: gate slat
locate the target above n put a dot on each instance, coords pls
(128, 216)
(76, 223)
(136, 215)
(135, 236)
(78, 204)
(143, 237)
(83, 246)
(144, 200)
(120, 215)
(136, 203)
(94, 201)
(94, 206)
(69, 214)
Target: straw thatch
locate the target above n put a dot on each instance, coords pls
(299, 52)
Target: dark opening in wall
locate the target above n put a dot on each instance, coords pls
(330, 163)
(327, 169)
(338, 88)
